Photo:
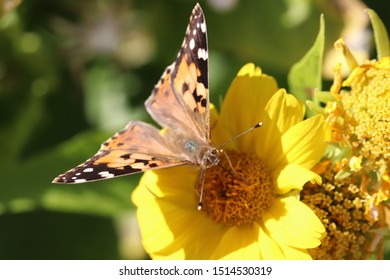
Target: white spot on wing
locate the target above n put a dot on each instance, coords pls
(80, 180)
(192, 44)
(202, 54)
(106, 174)
(203, 27)
(90, 169)
(194, 32)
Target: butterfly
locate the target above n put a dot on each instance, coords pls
(180, 104)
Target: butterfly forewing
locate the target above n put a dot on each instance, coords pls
(186, 91)
(190, 74)
(166, 107)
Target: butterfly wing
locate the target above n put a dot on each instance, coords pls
(180, 100)
(137, 148)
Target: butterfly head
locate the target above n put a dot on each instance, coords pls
(210, 157)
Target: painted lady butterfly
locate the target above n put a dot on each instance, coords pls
(179, 103)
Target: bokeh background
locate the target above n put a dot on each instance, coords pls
(72, 73)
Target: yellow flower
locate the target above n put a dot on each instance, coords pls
(340, 206)
(352, 200)
(360, 121)
(367, 110)
(253, 212)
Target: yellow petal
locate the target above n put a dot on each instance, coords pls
(170, 222)
(293, 176)
(282, 112)
(291, 222)
(303, 143)
(177, 181)
(189, 230)
(213, 115)
(285, 110)
(292, 253)
(148, 215)
(238, 243)
(243, 105)
(269, 249)
(250, 70)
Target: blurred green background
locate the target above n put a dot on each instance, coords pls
(72, 73)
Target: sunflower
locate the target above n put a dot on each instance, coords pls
(251, 207)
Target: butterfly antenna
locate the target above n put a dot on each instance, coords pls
(241, 134)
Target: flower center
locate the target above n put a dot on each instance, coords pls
(240, 195)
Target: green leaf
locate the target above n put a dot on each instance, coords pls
(314, 107)
(380, 34)
(46, 235)
(15, 134)
(27, 186)
(305, 75)
(324, 96)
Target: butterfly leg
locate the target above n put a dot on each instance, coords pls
(202, 176)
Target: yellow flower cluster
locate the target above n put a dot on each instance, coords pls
(340, 206)
(355, 171)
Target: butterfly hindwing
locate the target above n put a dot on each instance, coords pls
(137, 148)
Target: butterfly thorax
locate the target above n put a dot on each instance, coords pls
(203, 154)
